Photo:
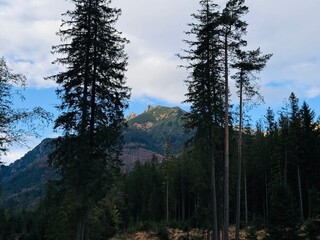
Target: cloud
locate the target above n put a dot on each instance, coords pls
(14, 155)
(157, 77)
(288, 31)
(28, 32)
(156, 30)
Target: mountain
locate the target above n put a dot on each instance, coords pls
(149, 133)
(23, 182)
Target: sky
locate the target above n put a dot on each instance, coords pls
(156, 29)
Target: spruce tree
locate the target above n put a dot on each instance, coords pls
(294, 150)
(93, 94)
(205, 90)
(309, 155)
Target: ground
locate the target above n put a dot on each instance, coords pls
(176, 234)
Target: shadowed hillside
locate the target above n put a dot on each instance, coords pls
(23, 182)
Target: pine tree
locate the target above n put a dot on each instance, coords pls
(94, 95)
(246, 64)
(282, 214)
(294, 144)
(309, 155)
(233, 29)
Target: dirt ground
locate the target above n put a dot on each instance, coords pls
(176, 234)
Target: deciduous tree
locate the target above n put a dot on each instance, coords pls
(16, 124)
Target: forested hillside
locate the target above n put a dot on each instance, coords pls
(176, 187)
(24, 181)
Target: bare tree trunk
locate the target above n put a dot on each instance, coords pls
(300, 194)
(167, 199)
(214, 194)
(285, 166)
(81, 228)
(238, 212)
(245, 194)
(309, 203)
(226, 146)
(266, 189)
(182, 192)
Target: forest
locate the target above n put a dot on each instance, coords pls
(232, 179)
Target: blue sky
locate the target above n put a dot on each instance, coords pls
(156, 29)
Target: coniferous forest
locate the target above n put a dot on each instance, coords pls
(232, 179)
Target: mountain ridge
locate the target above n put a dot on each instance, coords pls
(148, 133)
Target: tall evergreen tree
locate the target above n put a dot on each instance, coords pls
(205, 88)
(233, 29)
(246, 64)
(309, 151)
(294, 153)
(284, 138)
(94, 95)
(271, 143)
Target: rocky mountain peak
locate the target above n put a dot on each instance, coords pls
(149, 108)
(131, 115)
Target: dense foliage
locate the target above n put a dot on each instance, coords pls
(137, 200)
(93, 94)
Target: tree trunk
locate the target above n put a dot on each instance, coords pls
(285, 166)
(81, 233)
(309, 203)
(182, 193)
(245, 194)
(226, 146)
(300, 194)
(238, 212)
(266, 193)
(214, 194)
(167, 199)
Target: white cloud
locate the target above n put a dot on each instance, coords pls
(158, 77)
(156, 30)
(27, 34)
(14, 155)
(288, 30)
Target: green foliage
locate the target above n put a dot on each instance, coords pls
(93, 97)
(251, 233)
(143, 187)
(282, 222)
(314, 198)
(162, 233)
(105, 219)
(205, 88)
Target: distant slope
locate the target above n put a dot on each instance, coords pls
(23, 182)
